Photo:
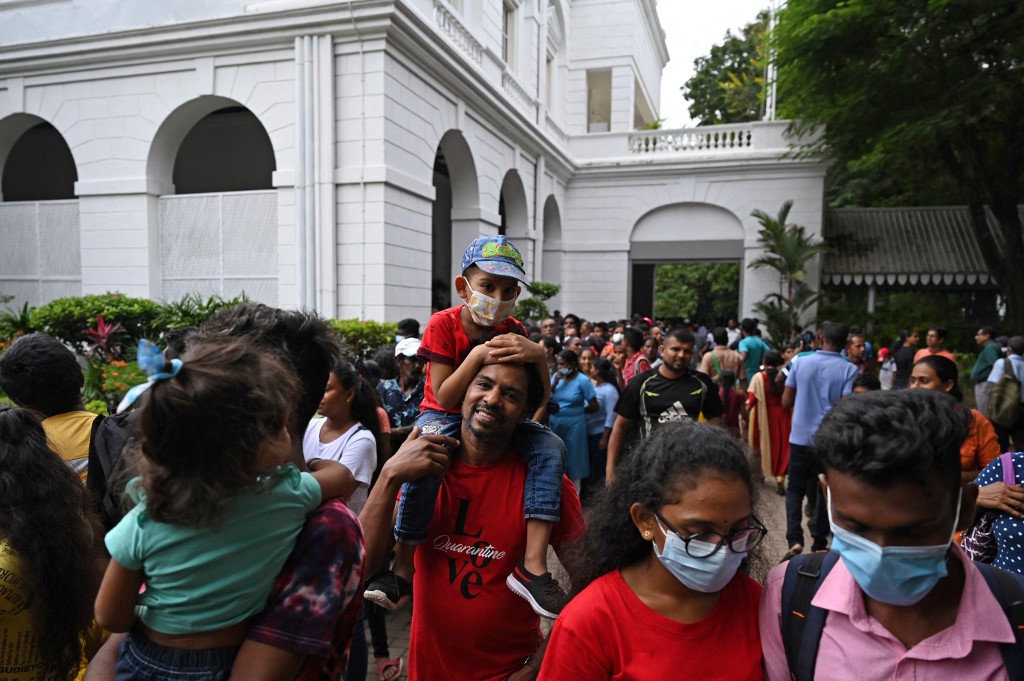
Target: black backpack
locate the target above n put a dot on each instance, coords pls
(111, 435)
(802, 623)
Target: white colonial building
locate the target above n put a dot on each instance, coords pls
(340, 155)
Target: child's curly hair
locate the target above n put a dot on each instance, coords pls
(202, 430)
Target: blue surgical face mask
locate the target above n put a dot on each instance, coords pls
(564, 372)
(897, 575)
(706, 575)
(399, 338)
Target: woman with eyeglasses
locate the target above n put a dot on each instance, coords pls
(661, 585)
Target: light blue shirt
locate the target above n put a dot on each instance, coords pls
(573, 395)
(205, 578)
(820, 380)
(604, 417)
(1017, 362)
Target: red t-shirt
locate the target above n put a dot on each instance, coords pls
(445, 341)
(467, 624)
(607, 632)
(635, 366)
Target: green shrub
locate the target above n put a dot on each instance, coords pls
(97, 407)
(534, 308)
(192, 310)
(15, 323)
(68, 318)
(364, 336)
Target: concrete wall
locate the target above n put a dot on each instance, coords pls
(356, 105)
(603, 206)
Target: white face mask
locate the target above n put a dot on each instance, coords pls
(487, 311)
(617, 338)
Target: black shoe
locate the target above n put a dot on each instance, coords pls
(387, 590)
(542, 592)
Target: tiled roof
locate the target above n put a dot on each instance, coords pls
(910, 246)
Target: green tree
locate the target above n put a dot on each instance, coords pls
(933, 88)
(706, 291)
(533, 307)
(728, 83)
(789, 251)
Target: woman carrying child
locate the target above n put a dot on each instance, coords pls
(217, 511)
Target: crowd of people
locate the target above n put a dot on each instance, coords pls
(267, 499)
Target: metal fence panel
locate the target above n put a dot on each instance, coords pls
(223, 244)
(40, 259)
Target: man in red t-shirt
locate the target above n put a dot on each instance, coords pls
(467, 624)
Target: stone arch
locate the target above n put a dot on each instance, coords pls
(512, 206)
(680, 232)
(687, 231)
(551, 268)
(461, 171)
(185, 134)
(39, 223)
(218, 232)
(455, 213)
(44, 167)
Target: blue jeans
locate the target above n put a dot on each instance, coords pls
(142, 660)
(543, 451)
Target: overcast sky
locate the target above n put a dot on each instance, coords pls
(691, 28)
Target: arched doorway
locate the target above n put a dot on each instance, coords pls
(551, 269)
(681, 233)
(514, 218)
(39, 227)
(213, 161)
(455, 214)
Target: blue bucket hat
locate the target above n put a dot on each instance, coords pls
(496, 255)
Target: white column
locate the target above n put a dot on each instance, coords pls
(314, 173)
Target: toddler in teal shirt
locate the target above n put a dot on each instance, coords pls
(218, 510)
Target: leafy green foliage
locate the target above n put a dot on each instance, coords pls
(14, 323)
(534, 307)
(728, 84)
(789, 250)
(68, 318)
(364, 336)
(192, 310)
(927, 97)
(97, 407)
(708, 291)
(961, 312)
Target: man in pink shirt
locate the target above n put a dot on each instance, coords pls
(903, 602)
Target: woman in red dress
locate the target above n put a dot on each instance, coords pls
(769, 421)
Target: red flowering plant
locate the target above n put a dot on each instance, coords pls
(108, 375)
(105, 340)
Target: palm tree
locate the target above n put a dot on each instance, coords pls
(789, 251)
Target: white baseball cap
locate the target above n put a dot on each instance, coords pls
(408, 347)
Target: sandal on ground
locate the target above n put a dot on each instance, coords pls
(389, 670)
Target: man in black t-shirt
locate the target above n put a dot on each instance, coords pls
(671, 392)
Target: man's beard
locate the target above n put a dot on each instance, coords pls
(499, 431)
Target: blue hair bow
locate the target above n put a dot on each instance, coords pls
(152, 361)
